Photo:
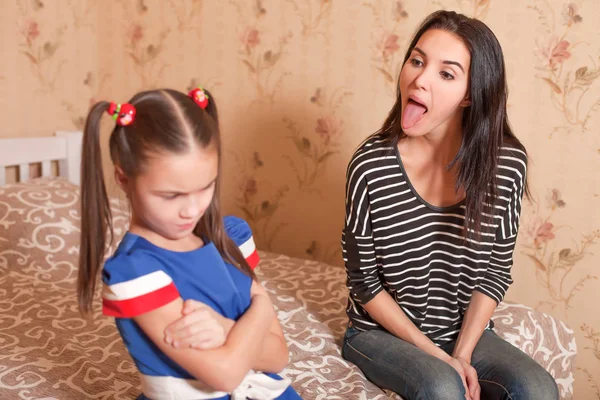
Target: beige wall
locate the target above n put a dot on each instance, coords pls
(301, 82)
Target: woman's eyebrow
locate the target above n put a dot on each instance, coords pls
(449, 62)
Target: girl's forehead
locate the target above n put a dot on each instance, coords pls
(182, 171)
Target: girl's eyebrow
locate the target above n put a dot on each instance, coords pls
(178, 192)
(418, 50)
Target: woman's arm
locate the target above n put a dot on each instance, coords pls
(383, 309)
(477, 316)
(225, 367)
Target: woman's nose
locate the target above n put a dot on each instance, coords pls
(422, 79)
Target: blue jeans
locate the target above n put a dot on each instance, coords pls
(504, 371)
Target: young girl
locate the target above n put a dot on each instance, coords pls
(432, 212)
(166, 149)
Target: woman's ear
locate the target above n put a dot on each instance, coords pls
(466, 102)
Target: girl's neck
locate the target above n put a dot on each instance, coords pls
(188, 243)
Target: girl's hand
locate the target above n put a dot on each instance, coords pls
(201, 327)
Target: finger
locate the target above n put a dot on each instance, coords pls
(464, 381)
(207, 339)
(195, 330)
(199, 337)
(191, 305)
(196, 317)
(199, 331)
(208, 344)
(477, 395)
(472, 381)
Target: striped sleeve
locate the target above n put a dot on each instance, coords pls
(135, 284)
(239, 231)
(358, 247)
(498, 276)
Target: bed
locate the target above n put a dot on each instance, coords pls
(49, 351)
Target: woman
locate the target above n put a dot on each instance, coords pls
(432, 212)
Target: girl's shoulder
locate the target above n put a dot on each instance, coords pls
(132, 258)
(135, 280)
(237, 229)
(240, 233)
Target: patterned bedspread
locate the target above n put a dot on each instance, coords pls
(48, 351)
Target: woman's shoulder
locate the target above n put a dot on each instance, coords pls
(377, 147)
(375, 143)
(512, 156)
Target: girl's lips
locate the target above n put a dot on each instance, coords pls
(184, 227)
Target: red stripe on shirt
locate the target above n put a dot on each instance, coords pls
(253, 259)
(139, 305)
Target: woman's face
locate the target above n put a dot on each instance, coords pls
(434, 84)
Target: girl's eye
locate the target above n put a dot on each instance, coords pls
(171, 197)
(447, 76)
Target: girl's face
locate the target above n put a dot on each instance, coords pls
(434, 84)
(173, 192)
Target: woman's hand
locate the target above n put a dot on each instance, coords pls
(471, 378)
(468, 375)
(200, 327)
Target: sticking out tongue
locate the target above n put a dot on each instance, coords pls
(413, 112)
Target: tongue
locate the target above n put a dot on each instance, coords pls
(412, 114)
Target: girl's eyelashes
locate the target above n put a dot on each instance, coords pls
(171, 196)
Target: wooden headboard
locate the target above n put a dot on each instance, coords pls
(64, 147)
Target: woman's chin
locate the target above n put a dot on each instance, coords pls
(414, 131)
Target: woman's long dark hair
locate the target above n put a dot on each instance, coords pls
(166, 120)
(485, 124)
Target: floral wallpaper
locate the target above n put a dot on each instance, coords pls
(300, 83)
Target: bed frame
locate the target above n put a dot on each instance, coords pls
(64, 147)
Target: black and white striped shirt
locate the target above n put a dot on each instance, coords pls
(394, 240)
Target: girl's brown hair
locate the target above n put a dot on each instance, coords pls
(165, 121)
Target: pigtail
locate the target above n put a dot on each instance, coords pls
(95, 210)
(211, 108)
(211, 227)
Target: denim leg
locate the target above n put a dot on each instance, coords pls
(394, 364)
(505, 372)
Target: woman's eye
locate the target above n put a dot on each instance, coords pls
(446, 75)
(416, 63)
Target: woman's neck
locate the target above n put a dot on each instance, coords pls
(441, 145)
(439, 148)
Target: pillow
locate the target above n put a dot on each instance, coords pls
(40, 225)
